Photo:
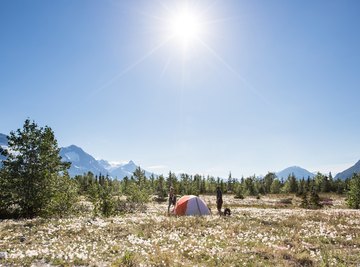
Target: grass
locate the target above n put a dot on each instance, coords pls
(251, 236)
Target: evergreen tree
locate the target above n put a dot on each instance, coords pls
(319, 179)
(304, 201)
(332, 183)
(302, 188)
(161, 190)
(171, 180)
(229, 188)
(353, 197)
(275, 187)
(293, 186)
(325, 185)
(339, 186)
(222, 187)
(139, 177)
(125, 185)
(31, 171)
(314, 199)
(203, 186)
(249, 186)
(211, 184)
(107, 203)
(239, 191)
(268, 180)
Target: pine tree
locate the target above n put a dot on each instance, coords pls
(275, 187)
(160, 190)
(304, 201)
(293, 186)
(229, 188)
(314, 200)
(32, 169)
(353, 198)
(301, 189)
(268, 180)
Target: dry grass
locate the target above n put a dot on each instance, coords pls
(273, 235)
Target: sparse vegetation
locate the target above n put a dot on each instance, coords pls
(268, 236)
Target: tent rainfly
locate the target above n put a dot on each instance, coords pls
(191, 205)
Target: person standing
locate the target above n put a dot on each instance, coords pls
(219, 200)
(172, 198)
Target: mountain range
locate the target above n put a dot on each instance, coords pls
(82, 162)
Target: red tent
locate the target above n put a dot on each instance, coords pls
(191, 205)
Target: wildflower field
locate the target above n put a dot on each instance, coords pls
(271, 231)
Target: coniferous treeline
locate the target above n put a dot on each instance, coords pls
(185, 184)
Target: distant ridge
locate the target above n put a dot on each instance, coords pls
(348, 173)
(298, 172)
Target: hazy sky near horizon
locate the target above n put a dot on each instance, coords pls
(260, 86)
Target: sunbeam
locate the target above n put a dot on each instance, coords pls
(129, 68)
(232, 70)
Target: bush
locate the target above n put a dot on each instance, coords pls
(312, 201)
(239, 193)
(137, 194)
(107, 203)
(129, 259)
(286, 201)
(63, 198)
(124, 206)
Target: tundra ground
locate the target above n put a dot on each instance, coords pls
(271, 231)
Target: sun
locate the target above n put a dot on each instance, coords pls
(185, 27)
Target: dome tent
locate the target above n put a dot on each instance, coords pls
(191, 205)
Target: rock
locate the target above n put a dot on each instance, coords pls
(3, 255)
(22, 239)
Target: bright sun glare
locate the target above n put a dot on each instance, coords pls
(185, 27)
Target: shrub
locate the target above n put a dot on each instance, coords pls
(137, 194)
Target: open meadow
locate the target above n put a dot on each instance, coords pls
(271, 231)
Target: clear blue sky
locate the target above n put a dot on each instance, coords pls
(264, 86)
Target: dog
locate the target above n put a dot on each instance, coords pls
(226, 212)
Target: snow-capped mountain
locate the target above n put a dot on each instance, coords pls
(298, 172)
(120, 170)
(81, 162)
(348, 173)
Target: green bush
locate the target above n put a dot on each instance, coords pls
(137, 194)
(107, 202)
